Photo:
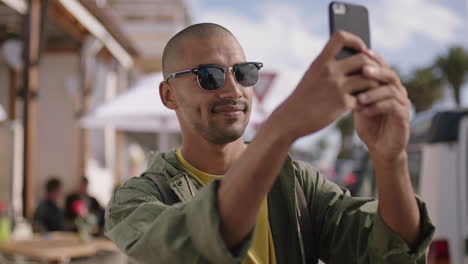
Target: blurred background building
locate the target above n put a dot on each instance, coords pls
(59, 61)
(152, 23)
(72, 70)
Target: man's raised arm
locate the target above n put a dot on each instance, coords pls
(322, 96)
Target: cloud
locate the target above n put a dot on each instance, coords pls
(395, 24)
(277, 37)
(277, 34)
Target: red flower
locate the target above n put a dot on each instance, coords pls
(2, 206)
(79, 208)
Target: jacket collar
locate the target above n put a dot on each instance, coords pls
(167, 164)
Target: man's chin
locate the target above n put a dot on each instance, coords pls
(226, 136)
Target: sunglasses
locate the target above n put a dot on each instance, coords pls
(211, 77)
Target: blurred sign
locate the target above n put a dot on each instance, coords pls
(264, 84)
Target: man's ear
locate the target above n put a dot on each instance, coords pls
(167, 95)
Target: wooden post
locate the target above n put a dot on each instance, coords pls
(30, 83)
(85, 102)
(119, 145)
(12, 95)
(89, 49)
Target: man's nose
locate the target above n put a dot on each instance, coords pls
(231, 88)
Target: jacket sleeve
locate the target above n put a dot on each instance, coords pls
(350, 229)
(152, 232)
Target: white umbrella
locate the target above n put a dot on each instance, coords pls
(138, 109)
(2, 114)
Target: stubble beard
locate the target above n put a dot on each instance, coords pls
(216, 134)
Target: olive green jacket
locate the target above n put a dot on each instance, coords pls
(345, 229)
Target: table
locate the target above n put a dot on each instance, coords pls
(57, 247)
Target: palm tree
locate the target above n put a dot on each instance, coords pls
(424, 88)
(454, 67)
(320, 147)
(346, 127)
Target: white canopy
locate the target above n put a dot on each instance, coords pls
(138, 109)
(2, 114)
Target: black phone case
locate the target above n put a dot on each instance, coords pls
(355, 20)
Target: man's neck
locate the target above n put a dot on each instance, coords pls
(213, 158)
(52, 200)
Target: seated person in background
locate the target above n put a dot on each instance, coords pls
(49, 216)
(91, 203)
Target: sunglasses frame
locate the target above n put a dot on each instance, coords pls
(195, 71)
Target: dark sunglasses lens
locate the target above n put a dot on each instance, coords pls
(210, 78)
(247, 74)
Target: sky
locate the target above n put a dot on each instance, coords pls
(287, 35)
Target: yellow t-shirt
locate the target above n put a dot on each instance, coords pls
(262, 250)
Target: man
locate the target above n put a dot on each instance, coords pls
(91, 203)
(48, 215)
(239, 201)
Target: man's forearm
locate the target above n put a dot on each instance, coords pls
(397, 202)
(246, 184)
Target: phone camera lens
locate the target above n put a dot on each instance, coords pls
(339, 8)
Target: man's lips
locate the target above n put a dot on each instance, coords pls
(228, 109)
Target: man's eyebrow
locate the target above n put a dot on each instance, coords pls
(209, 64)
(217, 65)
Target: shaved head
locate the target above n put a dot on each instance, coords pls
(173, 52)
(199, 112)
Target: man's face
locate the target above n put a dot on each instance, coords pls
(218, 116)
(55, 194)
(83, 189)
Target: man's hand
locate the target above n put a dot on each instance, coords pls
(382, 117)
(326, 89)
(382, 122)
(323, 95)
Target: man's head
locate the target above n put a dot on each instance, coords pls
(53, 189)
(219, 116)
(83, 187)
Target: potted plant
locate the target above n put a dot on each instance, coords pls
(85, 221)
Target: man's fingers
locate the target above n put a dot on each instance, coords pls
(355, 63)
(387, 76)
(381, 74)
(338, 41)
(376, 57)
(381, 93)
(387, 106)
(357, 83)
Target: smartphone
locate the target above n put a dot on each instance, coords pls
(351, 18)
